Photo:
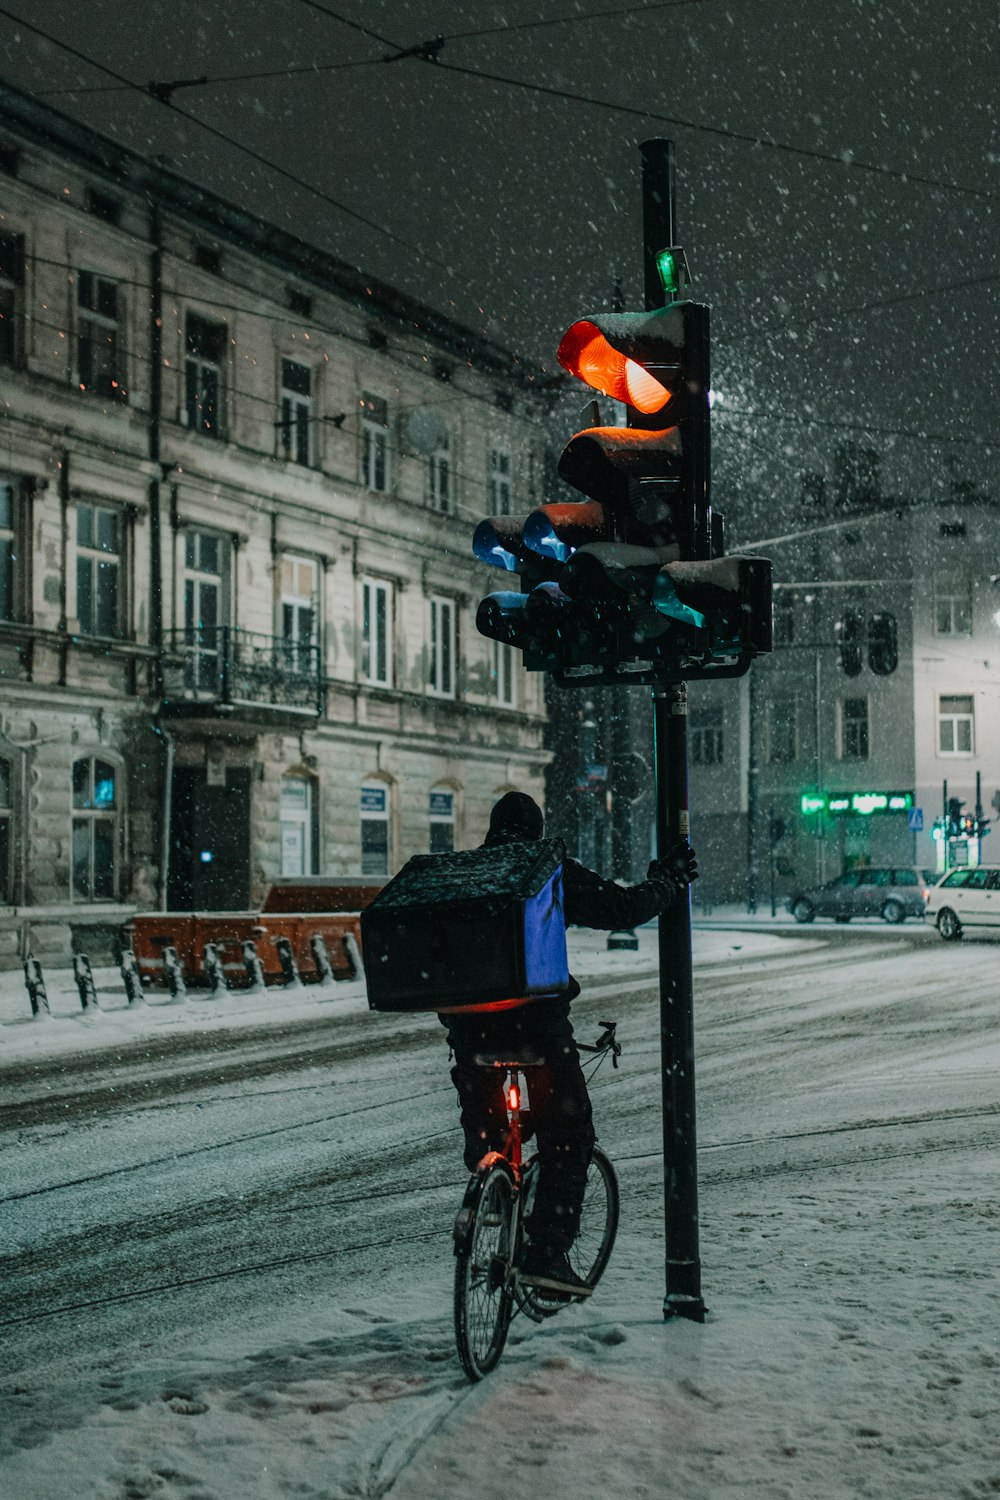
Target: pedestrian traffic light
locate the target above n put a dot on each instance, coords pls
(629, 584)
(883, 646)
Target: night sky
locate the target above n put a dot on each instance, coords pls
(515, 210)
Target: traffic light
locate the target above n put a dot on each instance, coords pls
(954, 822)
(850, 632)
(629, 584)
(883, 647)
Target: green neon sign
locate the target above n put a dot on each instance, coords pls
(863, 804)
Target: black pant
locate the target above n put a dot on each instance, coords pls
(559, 1105)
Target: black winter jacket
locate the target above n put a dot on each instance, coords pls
(592, 901)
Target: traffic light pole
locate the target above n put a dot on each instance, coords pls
(680, 1147)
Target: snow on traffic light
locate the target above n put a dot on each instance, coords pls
(629, 584)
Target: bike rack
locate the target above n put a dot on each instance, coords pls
(84, 976)
(131, 978)
(35, 983)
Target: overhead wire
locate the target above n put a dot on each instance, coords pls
(229, 140)
(760, 140)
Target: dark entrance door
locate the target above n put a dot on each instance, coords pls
(210, 842)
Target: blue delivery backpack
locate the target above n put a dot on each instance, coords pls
(480, 930)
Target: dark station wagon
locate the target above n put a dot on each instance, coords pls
(891, 892)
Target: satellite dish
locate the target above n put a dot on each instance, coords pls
(425, 431)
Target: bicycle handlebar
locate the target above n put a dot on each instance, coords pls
(606, 1042)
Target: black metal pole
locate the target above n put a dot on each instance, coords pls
(680, 1146)
(770, 856)
(680, 1142)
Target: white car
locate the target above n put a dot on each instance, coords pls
(966, 897)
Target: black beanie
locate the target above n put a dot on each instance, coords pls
(515, 816)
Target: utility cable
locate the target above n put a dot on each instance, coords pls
(841, 159)
(430, 51)
(229, 140)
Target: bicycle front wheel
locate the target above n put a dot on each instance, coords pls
(591, 1250)
(483, 1283)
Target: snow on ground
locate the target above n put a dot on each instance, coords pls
(848, 1106)
(70, 1029)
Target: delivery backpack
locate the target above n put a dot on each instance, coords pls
(480, 930)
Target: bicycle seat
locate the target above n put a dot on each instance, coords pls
(501, 1060)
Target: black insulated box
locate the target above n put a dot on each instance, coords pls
(479, 930)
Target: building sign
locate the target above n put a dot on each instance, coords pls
(373, 800)
(442, 804)
(861, 803)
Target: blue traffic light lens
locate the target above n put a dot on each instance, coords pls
(488, 547)
(541, 536)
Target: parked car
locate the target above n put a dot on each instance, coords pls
(967, 897)
(891, 892)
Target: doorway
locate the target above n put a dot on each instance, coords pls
(209, 841)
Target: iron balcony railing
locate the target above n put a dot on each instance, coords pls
(227, 665)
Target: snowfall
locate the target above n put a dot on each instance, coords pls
(227, 1267)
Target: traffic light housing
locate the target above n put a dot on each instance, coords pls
(883, 645)
(629, 583)
(850, 631)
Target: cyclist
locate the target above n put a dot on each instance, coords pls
(560, 1105)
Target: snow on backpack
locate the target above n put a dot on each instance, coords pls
(480, 930)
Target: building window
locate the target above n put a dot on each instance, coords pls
(298, 612)
(296, 411)
(499, 482)
(952, 605)
(376, 632)
(374, 828)
(104, 206)
(706, 737)
(504, 678)
(8, 550)
(782, 731)
(6, 831)
(100, 361)
(204, 387)
(956, 725)
(95, 829)
(441, 811)
(297, 825)
(11, 293)
(98, 531)
(439, 477)
(854, 729)
(206, 558)
(374, 442)
(441, 677)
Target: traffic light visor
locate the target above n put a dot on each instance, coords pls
(588, 355)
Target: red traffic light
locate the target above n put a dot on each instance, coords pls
(586, 353)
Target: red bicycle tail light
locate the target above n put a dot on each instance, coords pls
(513, 1096)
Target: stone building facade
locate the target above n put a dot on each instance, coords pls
(238, 481)
(804, 724)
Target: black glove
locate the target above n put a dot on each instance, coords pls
(678, 867)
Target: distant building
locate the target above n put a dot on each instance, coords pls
(815, 720)
(238, 481)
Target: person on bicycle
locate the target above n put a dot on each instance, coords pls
(560, 1105)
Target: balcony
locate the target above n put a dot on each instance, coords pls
(223, 669)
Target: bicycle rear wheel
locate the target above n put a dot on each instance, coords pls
(591, 1250)
(483, 1289)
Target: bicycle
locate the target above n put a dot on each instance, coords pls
(489, 1226)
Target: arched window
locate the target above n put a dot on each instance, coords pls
(375, 823)
(298, 842)
(441, 811)
(96, 811)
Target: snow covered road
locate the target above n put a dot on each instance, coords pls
(227, 1253)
